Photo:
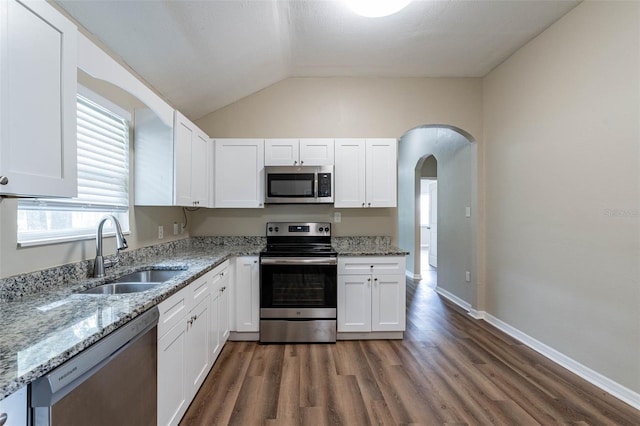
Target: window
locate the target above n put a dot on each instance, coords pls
(103, 179)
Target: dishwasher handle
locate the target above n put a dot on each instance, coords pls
(47, 390)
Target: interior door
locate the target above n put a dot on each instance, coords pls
(433, 217)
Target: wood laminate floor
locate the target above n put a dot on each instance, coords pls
(449, 369)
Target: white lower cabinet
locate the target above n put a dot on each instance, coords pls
(13, 409)
(193, 326)
(247, 294)
(219, 316)
(371, 294)
(172, 382)
(197, 347)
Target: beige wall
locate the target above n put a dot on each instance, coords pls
(562, 132)
(337, 107)
(143, 221)
(456, 156)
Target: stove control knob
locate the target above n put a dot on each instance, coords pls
(277, 229)
(320, 229)
(270, 229)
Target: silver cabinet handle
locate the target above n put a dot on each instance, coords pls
(3, 181)
(3, 416)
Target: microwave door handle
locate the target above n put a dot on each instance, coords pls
(315, 185)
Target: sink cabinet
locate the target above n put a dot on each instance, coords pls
(38, 86)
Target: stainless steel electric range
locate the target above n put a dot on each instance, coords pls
(298, 284)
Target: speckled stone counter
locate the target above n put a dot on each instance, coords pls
(366, 246)
(44, 321)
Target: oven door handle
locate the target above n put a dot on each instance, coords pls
(298, 261)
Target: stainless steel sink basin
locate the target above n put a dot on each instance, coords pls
(135, 282)
(148, 276)
(121, 288)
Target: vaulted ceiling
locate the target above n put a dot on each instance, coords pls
(204, 55)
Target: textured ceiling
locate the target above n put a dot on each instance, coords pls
(203, 55)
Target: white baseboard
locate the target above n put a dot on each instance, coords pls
(613, 388)
(414, 277)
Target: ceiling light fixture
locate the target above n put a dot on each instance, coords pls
(376, 8)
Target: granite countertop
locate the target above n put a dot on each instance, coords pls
(366, 246)
(42, 330)
(44, 321)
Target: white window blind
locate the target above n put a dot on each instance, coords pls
(103, 181)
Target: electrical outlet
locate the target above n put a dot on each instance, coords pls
(175, 228)
(467, 276)
(160, 232)
(337, 217)
(468, 211)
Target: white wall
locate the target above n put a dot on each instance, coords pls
(562, 132)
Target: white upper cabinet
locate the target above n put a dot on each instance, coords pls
(191, 173)
(299, 152)
(38, 85)
(239, 173)
(172, 165)
(365, 172)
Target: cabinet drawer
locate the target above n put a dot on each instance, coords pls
(219, 272)
(385, 265)
(172, 310)
(200, 288)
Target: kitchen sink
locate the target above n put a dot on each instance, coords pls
(148, 276)
(134, 282)
(121, 288)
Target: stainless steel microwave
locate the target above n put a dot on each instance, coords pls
(295, 185)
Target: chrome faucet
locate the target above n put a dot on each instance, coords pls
(99, 264)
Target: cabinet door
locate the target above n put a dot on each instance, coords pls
(215, 342)
(183, 133)
(225, 322)
(247, 294)
(199, 170)
(281, 152)
(317, 152)
(14, 407)
(38, 86)
(350, 183)
(172, 390)
(197, 347)
(239, 173)
(381, 173)
(388, 303)
(354, 303)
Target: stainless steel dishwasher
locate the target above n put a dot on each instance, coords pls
(113, 382)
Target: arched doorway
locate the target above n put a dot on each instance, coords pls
(456, 156)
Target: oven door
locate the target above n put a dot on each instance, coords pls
(298, 287)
